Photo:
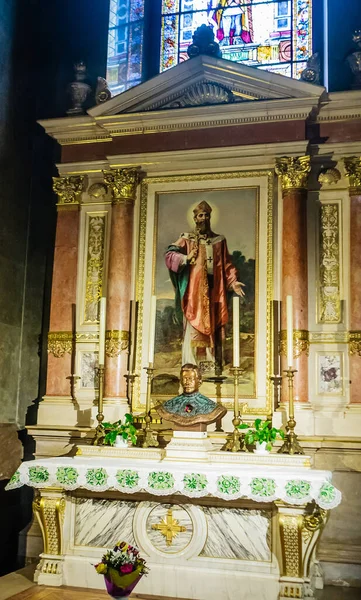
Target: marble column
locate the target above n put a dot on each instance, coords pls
(63, 295)
(123, 184)
(353, 172)
(293, 173)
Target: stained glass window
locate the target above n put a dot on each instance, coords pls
(270, 34)
(125, 44)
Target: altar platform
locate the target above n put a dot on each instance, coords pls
(238, 525)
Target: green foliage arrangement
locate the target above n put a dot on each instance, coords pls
(126, 430)
(261, 431)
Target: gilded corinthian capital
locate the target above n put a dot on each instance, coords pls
(293, 171)
(68, 189)
(123, 184)
(353, 172)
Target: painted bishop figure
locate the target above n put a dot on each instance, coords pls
(202, 273)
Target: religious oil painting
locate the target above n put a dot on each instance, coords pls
(330, 373)
(204, 248)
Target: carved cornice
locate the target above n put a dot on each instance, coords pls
(301, 343)
(123, 184)
(60, 343)
(353, 172)
(354, 343)
(116, 342)
(293, 171)
(68, 189)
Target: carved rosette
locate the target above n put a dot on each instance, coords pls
(123, 184)
(60, 343)
(329, 305)
(94, 267)
(354, 341)
(68, 189)
(116, 342)
(293, 172)
(301, 343)
(353, 172)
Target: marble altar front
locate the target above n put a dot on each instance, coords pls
(238, 526)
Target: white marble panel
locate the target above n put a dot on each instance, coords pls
(238, 534)
(103, 523)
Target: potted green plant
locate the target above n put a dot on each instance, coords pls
(120, 434)
(262, 434)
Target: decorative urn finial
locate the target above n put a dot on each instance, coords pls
(79, 90)
(354, 60)
(203, 43)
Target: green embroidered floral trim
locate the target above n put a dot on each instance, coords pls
(127, 478)
(160, 480)
(263, 487)
(327, 493)
(66, 475)
(195, 482)
(38, 474)
(15, 478)
(96, 477)
(297, 488)
(227, 484)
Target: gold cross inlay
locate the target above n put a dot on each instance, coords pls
(169, 527)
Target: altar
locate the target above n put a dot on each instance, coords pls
(238, 525)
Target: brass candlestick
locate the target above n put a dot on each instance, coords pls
(130, 377)
(150, 437)
(218, 380)
(291, 444)
(235, 443)
(99, 430)
(276, 380)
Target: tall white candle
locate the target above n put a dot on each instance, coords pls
(289, 319)
(102, 316)
(153, 305)
(236, 331)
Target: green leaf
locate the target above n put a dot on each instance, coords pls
(243, 426)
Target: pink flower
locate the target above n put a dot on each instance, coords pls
(126, 568)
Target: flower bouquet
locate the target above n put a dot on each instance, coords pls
(122, 568)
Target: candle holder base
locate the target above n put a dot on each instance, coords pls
(150, 436)
(99, 435)
(291, 445)
(235, 442)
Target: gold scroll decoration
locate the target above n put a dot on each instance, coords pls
(68, 189)
(353, 172)
(60, 343)
(329, 305)
(116, 342)
(123, 184)
(293, 172)
(354, 340)
(301, 343)
(50, 514)
(94, 267)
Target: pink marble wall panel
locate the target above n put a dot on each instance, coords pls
(59, 369)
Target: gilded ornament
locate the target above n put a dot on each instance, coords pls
(94, 267)
(329, 305)
(50, 514)
(69, 189)
(116, 342)
(329, 176)
(293, 171)
(123, 184)
(290, 529)
(169, 527)
(353, 172)
(60, 343)
(355, 343)
(97, 191)
(301, 343)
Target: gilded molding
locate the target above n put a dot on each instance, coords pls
(355, 343)
(301, 343)
(116, 342)
(123, 184)
(329, 301)
(94, 267)
(291, 542)
(50, 514)
(353, 172)
(88, 336)
(293, 171)
(331, 337)
(68, 189)
(60, 343)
